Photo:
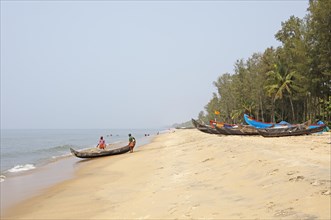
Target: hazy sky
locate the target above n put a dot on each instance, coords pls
(129, 64)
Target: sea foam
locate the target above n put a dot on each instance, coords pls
(2, 178)
(20, 168)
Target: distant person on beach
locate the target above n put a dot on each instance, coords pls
(132, 142)
(102, 143)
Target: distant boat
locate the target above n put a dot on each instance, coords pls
(91, 153)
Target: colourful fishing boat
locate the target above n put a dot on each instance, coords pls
(259, 124)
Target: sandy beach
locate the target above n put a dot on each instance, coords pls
(188, 174)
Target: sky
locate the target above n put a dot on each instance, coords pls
(125, 64)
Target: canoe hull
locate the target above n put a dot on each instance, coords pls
(204, 128)
(101, 153)
(242, 130)
(290, 131)
(239, 130)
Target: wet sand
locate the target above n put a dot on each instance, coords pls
(189, 174)
(20, 186)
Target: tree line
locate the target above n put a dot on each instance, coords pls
(291, 82)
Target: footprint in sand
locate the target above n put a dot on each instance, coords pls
(270, 206)
(273, 172)
(208, 159)
(316, 183)
(172, 209)
(188, 214)
(297, 179)
(195, 206)
(285, 212)
(292, 172)
(326, 192)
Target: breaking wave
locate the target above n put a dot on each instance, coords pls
(2, 178)
(19, 168)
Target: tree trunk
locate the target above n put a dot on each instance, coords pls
(262, 113)
(304, 110)
(273, 111)
(293, 116)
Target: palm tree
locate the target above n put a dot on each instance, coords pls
(279, 82)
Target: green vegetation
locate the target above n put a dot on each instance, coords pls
(291, 82)
(187, 124)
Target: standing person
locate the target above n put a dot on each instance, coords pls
(102, 143)
(132, 142)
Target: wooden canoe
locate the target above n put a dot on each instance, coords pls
(239, 130)
(204, 128)
(290, 131)
(91, 153)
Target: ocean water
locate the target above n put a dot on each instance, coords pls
(23, 150)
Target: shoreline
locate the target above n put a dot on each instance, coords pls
(189, 174)
(21, 186)
(18, 187)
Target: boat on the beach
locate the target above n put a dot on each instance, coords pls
(237, 130)
(259, 124)
(91, 153)
(221, 130)
(290, 130)
(226, 129)
(284, 128)
(204, 128)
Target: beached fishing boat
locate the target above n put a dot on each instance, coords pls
(204, 128)
(195, 123)
(259, 124)
(290, 130)
(226, 129)
(238, 130)
(221, 130)
(91, 153)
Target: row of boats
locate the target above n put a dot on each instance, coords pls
(255, 127)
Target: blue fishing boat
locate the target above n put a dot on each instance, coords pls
(260, 124)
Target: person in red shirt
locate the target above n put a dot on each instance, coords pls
(102, 143)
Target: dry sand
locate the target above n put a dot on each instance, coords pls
(189, 174)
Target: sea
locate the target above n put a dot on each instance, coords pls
(29, 149)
